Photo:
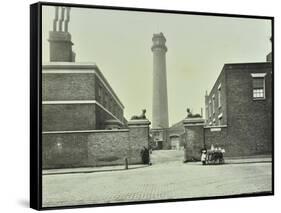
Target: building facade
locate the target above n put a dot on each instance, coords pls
(238, 109)
(176, 133)
(78, 92)
(82, 117)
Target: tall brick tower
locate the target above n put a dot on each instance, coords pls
(160, 119)
(160, 100)
(60, 38)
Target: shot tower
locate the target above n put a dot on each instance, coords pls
(160, 119)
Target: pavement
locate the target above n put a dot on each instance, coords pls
(165, 179)
(90, 169)
(158, 157)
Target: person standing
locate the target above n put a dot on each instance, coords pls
(203, 157)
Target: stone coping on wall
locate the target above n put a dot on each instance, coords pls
(193, 121)
(68, 65)
(113, 121)
(86, 131)
(138, 123)
(210, 127)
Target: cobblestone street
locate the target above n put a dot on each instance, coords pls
(172, 179)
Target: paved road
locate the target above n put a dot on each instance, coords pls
(160, 181)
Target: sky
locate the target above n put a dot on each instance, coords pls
(119, 43)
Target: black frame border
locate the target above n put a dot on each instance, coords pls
(36, 104)
(35, 107)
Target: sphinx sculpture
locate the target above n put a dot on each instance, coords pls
(139, 117)
(190, 115)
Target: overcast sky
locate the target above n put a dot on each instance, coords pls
(119, 43)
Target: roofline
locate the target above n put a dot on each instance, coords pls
(231, 65)
(110, 88)
(83, 66)
(68, 65)
(247, 63)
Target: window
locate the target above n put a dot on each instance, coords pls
(110, 105)
(219, 123)
(99, 91)
(258, 85)
(210, 109)
(213, 101)
(117, 113)
(105, 100)
(258, 88)
(219, 95)
(157, 134)
(220, 119)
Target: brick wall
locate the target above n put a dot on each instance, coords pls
(64, 150)
(95, 148)
(138, 138)
(249, 121)
(60, 117)
(217, 136)
(108, 147)
(68, 86)
(194, 138)
(224, 138)
(194, 142)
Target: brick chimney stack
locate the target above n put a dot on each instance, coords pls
(60, 38)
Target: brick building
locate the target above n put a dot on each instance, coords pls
(82, 117)
(78, 92)
(238, 109)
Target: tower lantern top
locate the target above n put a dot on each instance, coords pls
(159, 42)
